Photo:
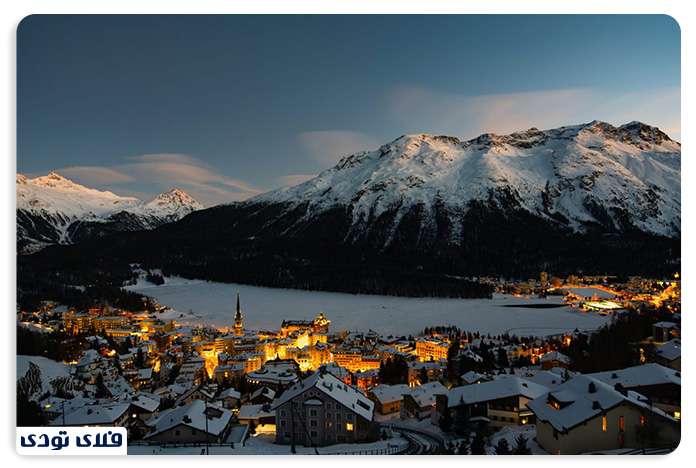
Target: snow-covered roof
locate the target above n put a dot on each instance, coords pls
(582, 398)
(91, 415)
(665, 325)
(545, 378)
(141, 401)
(144, 374)
(263, 391)
(390, 393)
(282, 376)
(54, 404)
(253, 412)
(555, 355)
(88, 357)
(639, 376)
(230, 393)
(171, 390)
(427, 365)
(192, 415)
(118, 387)
(472, 376)
(502, 386)
(425, 394)
(334, 388)
(670, 350)
(334, 369)
(198, 388)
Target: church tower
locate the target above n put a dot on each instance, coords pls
(238, 318)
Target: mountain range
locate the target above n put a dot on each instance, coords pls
(54, 210)
(422, 212)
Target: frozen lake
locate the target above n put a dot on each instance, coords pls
(265, 308)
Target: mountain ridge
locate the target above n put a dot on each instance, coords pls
(421, 213)
(563, 173)
(52, 209)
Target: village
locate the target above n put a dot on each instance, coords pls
(308, 389)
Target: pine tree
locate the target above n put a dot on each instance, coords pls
(446, 421)
(463, 447)
(521, 446)
(478, 445)
(502, 447)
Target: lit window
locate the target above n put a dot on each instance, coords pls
(642, 421)
(604, 423)
(621, 423)
(677, 415)
(349, 427)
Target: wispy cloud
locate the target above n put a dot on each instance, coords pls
(202, 182)
(162, 172)
(92, 175)
(421, 109)
(329, 146)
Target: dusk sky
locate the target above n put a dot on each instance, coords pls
(227, 107)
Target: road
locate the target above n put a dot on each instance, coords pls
(420, 442)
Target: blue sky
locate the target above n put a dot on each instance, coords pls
(226, 107)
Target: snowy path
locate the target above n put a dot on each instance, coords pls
(266, 308)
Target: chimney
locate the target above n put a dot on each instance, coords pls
(620, 388)
(596, 405)
(592, 387)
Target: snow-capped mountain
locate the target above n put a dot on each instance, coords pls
(583, 177)
(421, 213)
(54, 210)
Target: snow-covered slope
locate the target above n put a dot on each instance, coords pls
(579, 177)
(52, 209)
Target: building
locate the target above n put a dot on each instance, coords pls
(75, 323)
(271, 377)
(423, 372)
(420, 400)
(229, 398)
(665, 331)
(321, 410)
(320, 324)
(428, 349)
(585, 415)
(228, 372)
(196, 422)
(109, 323)
(95, 416)
(660, 384)
(238, 319)
(260, 415)
(496, 403)
(388, 398)
(554, 359)
(669, 354)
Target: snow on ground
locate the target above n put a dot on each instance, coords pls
(261, 444)
(510, 433)
(49, 369)
(265, 308)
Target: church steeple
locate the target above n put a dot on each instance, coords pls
(238, 318)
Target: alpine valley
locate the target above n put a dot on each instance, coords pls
(418, 215)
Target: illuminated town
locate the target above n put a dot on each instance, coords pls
(142, 367)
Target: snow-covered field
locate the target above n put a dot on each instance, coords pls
(266, 308)
(49, 369)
